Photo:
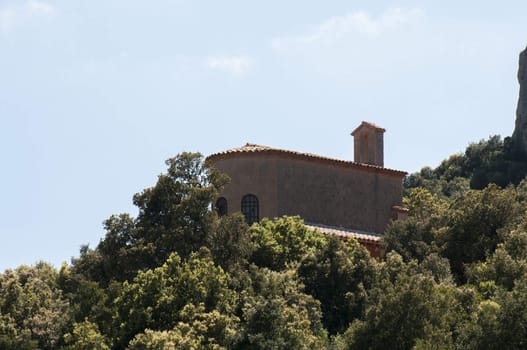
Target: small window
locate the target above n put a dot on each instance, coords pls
(221, 206)
(250, 208)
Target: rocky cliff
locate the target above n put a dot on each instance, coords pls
(519, 137)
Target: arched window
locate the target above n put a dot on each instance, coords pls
(221, 206)
(250, 208)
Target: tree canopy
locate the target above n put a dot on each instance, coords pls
(178, 276)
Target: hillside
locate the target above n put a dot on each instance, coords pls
(178, 276)
(488, 161)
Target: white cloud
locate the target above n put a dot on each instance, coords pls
(7, 18)
(358, 22)
(359, 47)
(235, 65)
(40, 8)
(12, 16)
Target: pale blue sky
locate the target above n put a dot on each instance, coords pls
(95, 95)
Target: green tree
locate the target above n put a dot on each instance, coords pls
(197, 330)
(416, 237)
(88, 300)
(85, 336)
(505, 266)
(32, 307)
(412, 238)
(229, 241)
(155, 297)
(491, 161)
(283, 241)
(276, 314)
(123, 251)
(339, 276)
(408, 308)
(12, 337)
(174, 216)
(473, 225)
(499, 322)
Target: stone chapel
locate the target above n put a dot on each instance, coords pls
(344, 198)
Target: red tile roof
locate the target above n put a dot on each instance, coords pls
(251, 148)
(361, 236)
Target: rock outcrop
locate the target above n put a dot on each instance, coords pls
(519, 137)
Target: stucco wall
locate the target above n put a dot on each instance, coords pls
(337, 196)
(320, 192)
(250, 175)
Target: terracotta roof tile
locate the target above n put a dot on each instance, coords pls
(361, 236)
(400, 208)
(255, 148)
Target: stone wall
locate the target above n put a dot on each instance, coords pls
(320, 191)
(250, 175)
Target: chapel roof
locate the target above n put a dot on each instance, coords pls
(251, 148)
(341, 232)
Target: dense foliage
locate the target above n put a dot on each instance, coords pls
(485, 162)
(177, 276)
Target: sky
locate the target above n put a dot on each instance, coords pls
(96, 95)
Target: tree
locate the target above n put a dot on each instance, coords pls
(499, 322)
(407, 308)
(276, 314)
(473, 225)
(88, 300)
(412, 238)
(339, 276)
(85, 336)
(12, 337)
(155, 298)
(174, 216)
(491, 161)
(32, 308)
(229, 241)
(505, 266)
(282, 241)
(197, 330)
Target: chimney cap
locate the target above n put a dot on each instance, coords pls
(368, 125)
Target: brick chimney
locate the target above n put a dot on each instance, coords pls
(368, 144)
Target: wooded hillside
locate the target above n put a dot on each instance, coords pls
(177, 276)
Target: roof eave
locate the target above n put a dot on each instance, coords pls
(305, 156)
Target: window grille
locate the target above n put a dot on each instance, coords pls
(250, 208)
